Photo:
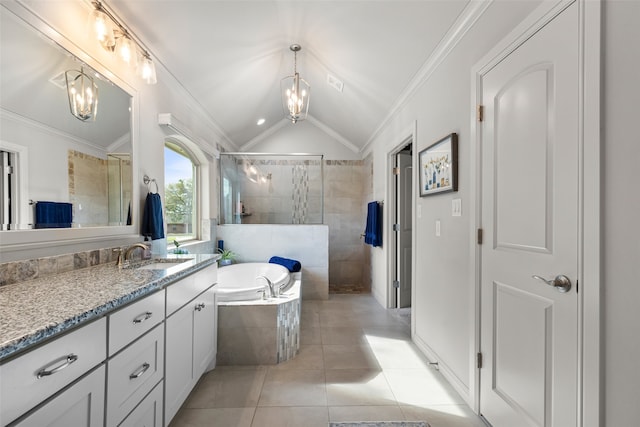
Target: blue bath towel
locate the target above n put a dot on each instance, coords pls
(292, 265)
(53, 215)
(373, 230)
(152, 225)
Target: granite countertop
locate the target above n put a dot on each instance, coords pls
(35, 310)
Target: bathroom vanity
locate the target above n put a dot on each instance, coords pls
(106, 345)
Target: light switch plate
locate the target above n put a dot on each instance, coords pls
(456, 207)
(437, 228)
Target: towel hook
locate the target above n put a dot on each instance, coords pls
(148, 182)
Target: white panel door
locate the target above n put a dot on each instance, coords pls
(530, 219)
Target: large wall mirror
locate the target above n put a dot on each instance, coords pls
(51, 160)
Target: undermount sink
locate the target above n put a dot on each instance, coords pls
(161, 264)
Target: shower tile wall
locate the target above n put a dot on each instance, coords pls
(345, 214)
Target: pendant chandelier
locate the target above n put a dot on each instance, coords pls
(295, 92)
(83, 95)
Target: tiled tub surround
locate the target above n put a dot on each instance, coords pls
(36, 310)
(260, 332)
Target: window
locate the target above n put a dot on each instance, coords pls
(180, 178)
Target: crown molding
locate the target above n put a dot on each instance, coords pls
(469, 16)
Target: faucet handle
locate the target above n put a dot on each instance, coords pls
(119, 252)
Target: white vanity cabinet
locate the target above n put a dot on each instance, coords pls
(136, 356)
(35, 376)
(190, 338)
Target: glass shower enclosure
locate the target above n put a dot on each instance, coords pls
(261, 188)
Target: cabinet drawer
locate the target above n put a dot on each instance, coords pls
(38, 374)
(133, 373)
(81, 405)
(184, 290)
(129, 323)
(149, 411)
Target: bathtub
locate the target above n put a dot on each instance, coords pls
(253, 330)
(239, 282)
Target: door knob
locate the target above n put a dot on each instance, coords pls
(561, 282)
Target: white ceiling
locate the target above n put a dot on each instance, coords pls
(231, 56)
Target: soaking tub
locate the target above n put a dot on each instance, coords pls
(255, 328)
(243, 282)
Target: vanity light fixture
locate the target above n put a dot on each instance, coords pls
(115, 38)
(83, 95)
(295, 92)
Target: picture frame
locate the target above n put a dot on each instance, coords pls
(438, 166)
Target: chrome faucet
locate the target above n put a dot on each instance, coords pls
(269, 285)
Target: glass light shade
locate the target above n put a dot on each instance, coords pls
(295, 97)
(101, 27)
(83, 95)
(147, 70)
(126, 50)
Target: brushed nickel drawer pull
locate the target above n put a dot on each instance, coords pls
(143, 317)
(68, 360)
(140, 371)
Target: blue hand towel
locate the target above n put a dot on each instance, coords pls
(373, 230)
(152, 225)
(53, 215)
(292, 265)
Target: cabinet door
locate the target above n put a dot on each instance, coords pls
(81, 405)
(179, 360)
(204, 332)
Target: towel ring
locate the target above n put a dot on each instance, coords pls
(148, 182)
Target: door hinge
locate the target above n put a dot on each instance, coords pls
(396, 171)
(480, 113)
(396, 284)
(479, 360)
(479, 236)
(396, 227)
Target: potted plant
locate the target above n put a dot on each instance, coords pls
(177, 250)
(226, 257)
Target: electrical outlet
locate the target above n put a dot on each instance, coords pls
(437, 228)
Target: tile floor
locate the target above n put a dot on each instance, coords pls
(356, 363)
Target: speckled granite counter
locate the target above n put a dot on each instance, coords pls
(35, 310)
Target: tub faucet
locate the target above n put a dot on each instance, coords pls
(269, 285)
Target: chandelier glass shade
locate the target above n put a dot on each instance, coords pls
(295, 92)
(83, 95)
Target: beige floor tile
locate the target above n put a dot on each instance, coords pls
(294, 388)
(443, 415)
(224, 417)
(310, 335)
(349, 357)
(343, 336)
(421, 387)
(358, 387)
(291, 417)
(365, 413)
(228, 389)
(309, 357)
(393, 352)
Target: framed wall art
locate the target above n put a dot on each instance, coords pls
(438, 166)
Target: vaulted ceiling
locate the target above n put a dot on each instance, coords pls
(231, 55)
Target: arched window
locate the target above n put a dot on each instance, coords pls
(181, 190)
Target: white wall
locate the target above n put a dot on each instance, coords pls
(621, 212)
(305, 243)
(303, 137)
(443, 287)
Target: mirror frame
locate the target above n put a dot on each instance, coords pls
(15, 240)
